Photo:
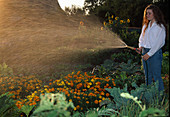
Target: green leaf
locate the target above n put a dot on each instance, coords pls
(27, 109)
(152, 112)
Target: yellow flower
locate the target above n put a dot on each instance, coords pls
(92, 80)
(70, 100)
(116, 18)
(121, 21)
(46, 86)
(103, 98)
(90, 83)
(128, 20)
(110, 21)
(104, 23)
(112, 16)
(88, 86)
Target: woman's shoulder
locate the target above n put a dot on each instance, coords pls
(159, 26)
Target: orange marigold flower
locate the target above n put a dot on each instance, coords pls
(92, 88)
(71, 84)
(78, 72)
(90, 94)
(85, 85)
(107, 94)
(96, 101)
(78, 98)
(52, 89)
(102, 93)
(68, 95)
(98, 83)
(84, 90)
(18, 104)
(100, 89)
(81, 23)
(87, 102)
(77, 106)
(107, 84)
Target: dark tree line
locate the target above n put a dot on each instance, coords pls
(125, 9)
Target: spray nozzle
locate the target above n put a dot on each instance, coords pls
(133, 48)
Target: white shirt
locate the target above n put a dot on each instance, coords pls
(154, 38)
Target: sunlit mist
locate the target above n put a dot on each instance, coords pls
(38, 37)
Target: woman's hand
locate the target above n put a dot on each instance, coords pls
(139, 50)
(145, 57)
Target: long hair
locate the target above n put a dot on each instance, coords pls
(158, 15)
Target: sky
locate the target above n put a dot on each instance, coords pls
(69, 3)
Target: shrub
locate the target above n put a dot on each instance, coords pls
(129, 37)
(165, 63)
(5, 70)
(115, 23)
(126, 55)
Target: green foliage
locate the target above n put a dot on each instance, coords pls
(7, 106)
(121, 79)
(152, 112)
(115, 23)
(53, 105)
(105, 69)
(5, 70)
(122, 73)
(109, 68)
(125, 11)
(147, 94)
(144, 112)
(96, 112)
(27, 109)
(130, 37)
(129, 67)
(118, 101)
(165, 63)
(124, 55)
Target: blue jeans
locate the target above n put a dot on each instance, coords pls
(152, 68)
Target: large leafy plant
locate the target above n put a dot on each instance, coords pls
(148, 94)
(7, 106)
(53, 105)
(129, 67)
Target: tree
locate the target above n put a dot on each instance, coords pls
(125, 9)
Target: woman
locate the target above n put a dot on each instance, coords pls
(151, 40)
